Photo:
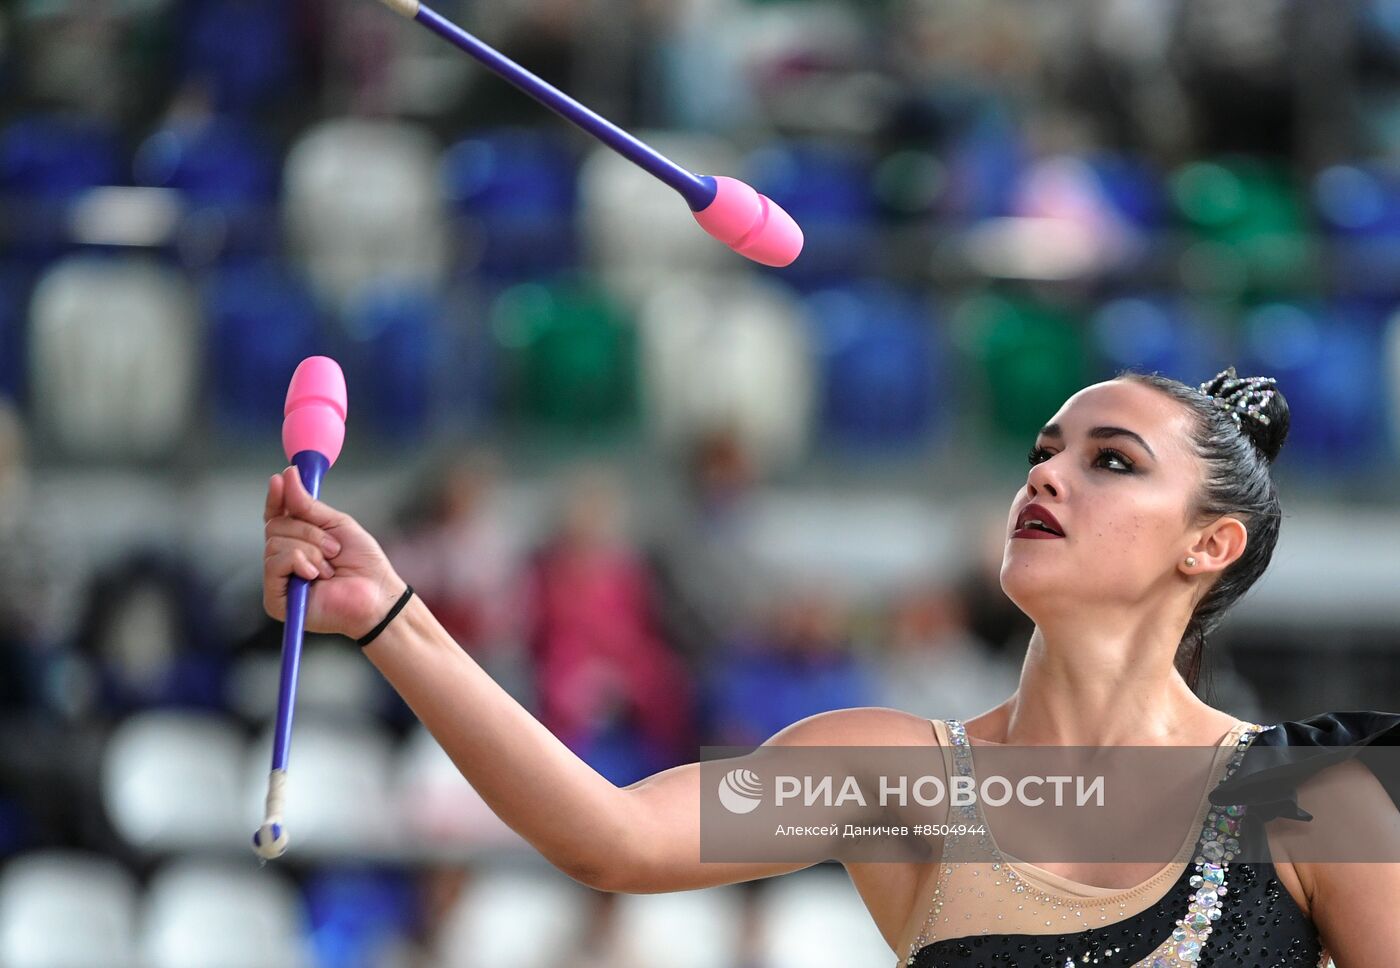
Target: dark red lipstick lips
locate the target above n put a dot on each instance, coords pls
(1034, 512)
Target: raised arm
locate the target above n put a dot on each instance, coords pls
(640, 839)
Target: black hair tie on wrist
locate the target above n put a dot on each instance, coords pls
(398, 607)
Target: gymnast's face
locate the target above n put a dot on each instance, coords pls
(1123, 503)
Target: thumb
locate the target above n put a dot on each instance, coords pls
(301, 504)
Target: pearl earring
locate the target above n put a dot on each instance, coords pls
(1190, 562)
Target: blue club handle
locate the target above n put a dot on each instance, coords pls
(697, 190)
(312, 467)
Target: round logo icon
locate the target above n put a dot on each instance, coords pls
(741, 791)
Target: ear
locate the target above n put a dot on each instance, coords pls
(1218, 546)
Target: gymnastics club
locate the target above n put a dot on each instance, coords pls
(751, 224)
(313, 431)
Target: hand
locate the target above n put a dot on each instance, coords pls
(354, 584)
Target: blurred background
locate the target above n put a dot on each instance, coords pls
(666, 497)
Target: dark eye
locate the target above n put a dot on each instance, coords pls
(1110, 453)
(1037, 454)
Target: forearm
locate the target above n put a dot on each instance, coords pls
(531, 780)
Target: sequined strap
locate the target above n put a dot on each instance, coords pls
(962, 766)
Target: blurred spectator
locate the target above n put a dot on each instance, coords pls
(607, 682)
(802, 664)
(26, 579)
(935, 667)
(454, 549)
(710, 585)
(146, 639)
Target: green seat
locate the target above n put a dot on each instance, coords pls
(1248, 212)
(1026, 359)
(569, 355)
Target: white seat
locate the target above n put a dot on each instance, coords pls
(639, 230)
(728, 351)
(338, 787)
(334, 681)
(438, 807)
(174, 781)
(514, 918)
(66, 909)
(362, 203)
(200, 914)
(695, 929)
(815, 919)
(113, 357)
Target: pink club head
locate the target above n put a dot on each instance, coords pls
(315, 410)
(751, 224)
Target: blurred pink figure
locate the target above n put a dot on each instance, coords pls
(598, 655)
(458, 557)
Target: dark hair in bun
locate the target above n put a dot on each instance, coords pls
(1261, 408)
(1240, 427)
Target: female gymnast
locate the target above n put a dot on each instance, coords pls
(1156, 511)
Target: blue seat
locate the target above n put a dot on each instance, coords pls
(354, 914)
(514, 192)
(1329, 364)
(14, 298)
(1134, 188)
(261, 322)
(218, 161)
(1155, 333)
(227, 175)
(395, 355)
(879, 365)
(240, 49)
(829, 191)
(1359, 207)
(46, 160)
(57, 156)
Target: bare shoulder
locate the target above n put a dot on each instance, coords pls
(858, 726)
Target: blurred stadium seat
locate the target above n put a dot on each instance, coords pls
(240, 51)
(174, 781)
(339, 798)
(362, 201)
(262, 322)
(568, 355)
(1151, 332)
(1028, 357)
(829, 190)
(356, 916)
(114, 358)
(731, 351)
(393, 350)
(880, 363)
(47, 160)
(436, 804)
(526, 917)
(208, 914)
(815, 919)
(695, 929)
(640, 232)
(514, 194)
(67, 909)
(1329, 359)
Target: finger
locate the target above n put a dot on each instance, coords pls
(272, 508)
(284, 527)
(300, 503)
(293, 550)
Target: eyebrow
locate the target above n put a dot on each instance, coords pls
(1099, 433)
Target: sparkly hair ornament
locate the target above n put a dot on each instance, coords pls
(1241, 395)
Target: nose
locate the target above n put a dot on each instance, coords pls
(1043, 477)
